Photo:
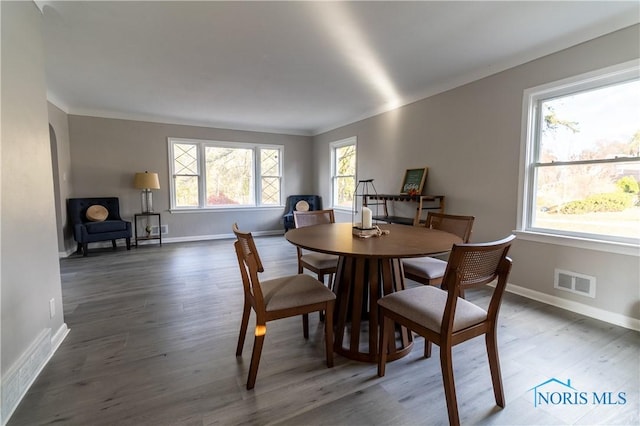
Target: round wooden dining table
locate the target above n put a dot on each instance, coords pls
(369, 268)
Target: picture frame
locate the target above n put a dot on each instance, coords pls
(414, 180)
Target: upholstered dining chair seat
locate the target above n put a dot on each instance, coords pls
(293, 291)
(320, 260)
(425, 305)
(428, 268)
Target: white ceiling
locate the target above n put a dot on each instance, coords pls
(294, 67)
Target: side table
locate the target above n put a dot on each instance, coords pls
(147, 236)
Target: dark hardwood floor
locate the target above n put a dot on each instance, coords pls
(153, 335)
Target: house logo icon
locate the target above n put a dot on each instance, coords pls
(557, 392)
(552, 389)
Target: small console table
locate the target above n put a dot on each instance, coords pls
(147, 236)
(425, 202)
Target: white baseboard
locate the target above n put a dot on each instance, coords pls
(106, 244)
(23, 373)
(67, 253)
(579, 308)
(219, 236)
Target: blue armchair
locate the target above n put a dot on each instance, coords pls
(314, 201)
(86, 231)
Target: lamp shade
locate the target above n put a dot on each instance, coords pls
(146, 180)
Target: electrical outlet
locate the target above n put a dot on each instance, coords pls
(52, 308)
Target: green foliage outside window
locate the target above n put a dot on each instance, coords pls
(229, 174)
(612, 202)
(628, 184)
(345, 175)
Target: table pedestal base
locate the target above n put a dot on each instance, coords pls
(360, 282)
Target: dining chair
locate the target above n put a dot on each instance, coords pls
(320, 263)
(430, 270)
(442, 317)
(277, 298)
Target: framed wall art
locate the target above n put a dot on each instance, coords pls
(413, 181)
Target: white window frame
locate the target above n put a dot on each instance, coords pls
(529, 143)
(257, 174)
(353, 140)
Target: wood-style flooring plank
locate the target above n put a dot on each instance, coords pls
(152, 341)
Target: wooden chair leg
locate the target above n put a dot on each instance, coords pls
(255, 361)
(243, 328)
(128, 241)
(328, 333)
(113, 244)
(427, 348)
(494, 367)
(85, 249)
(446, 363)
(321, 279)
(386, 327)
(305, 325)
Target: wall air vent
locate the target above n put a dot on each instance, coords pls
(574, 282)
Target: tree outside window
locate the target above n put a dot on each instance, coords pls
(344, 172)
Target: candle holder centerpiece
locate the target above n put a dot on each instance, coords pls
(361, 214)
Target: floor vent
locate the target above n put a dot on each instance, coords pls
(575, 283)
(165, 230)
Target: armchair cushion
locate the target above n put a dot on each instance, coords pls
(106, 226)
(302, 206)
(97, 213)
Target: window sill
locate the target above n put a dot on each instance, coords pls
(342, 209)
(224, 209)
(582, 243)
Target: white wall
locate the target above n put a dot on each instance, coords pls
(28, 335)
(469, 138)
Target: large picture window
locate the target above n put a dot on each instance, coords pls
(343, 172)
(209, 174)
(582, 157)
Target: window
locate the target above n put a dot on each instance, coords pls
(582, 157)
(343, 165)
(208, 174)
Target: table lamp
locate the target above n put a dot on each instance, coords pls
(146, 181)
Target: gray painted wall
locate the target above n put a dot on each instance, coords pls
(61, 156)
(105, 154)
(469, 138)
(27, 202)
